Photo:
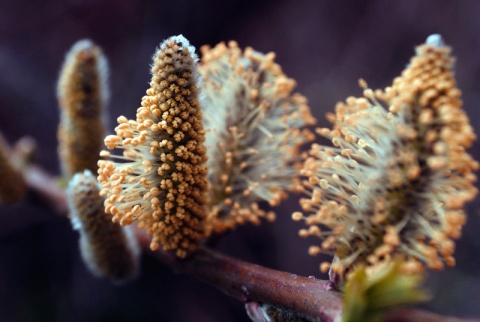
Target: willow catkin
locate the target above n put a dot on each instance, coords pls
(397, 178)
(109, 250)
(161, 179)
(82, 96)
(255, 126)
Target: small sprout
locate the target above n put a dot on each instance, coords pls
(367, 295)
(263, 312)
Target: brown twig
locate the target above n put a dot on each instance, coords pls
(46, 187)
(309, 297)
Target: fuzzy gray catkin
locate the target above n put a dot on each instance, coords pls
(82, 96)
(108, 249)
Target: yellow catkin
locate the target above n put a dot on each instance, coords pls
(82, 95)
(108, 250)
(12, 184)
(255, 127)
(398, 178)
(161, 179)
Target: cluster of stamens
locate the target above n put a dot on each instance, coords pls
(254, 131)
(396, 180)
(160, 180)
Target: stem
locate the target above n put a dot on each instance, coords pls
(309, 297)
(249, 282)
(46, 188)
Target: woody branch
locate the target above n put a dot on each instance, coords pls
(238, 279)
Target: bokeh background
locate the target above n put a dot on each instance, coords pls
(325, 45)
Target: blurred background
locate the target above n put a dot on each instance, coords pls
(325, 45)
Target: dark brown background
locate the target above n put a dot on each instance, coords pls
(325, 45)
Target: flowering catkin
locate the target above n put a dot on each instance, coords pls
(397, 179)
(161, 179)
(82, 96)
(254, 131)
(109, 250)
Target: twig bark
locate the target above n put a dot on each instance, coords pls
(247, 282)
(308, 297)
(46, 188)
